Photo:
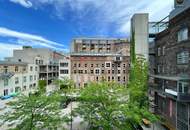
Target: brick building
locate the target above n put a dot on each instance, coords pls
(94, 59)
(172, 76)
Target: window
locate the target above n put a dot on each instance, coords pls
(112, 71)
(24, 79)
(75, 65)
(36, 68)
(80, 71)
(16, 68)
(6, 92)
(65, 71)
(75, 71)
(85, 65)
(5, 69)
(24, 68)
(118, 65)
(97, 65)
(37, 62)
(102, 71)
(183, 87)
(97, 78)
(79, 65)
(124, 71)
(64, 64)
(159, 68)
(112, 65)
(119, 71)
(108, 65)
(159, 51)
(108, 78)
(124, 79)
(102, 65)
(109, 71)
(6, 82)
(183, 57)
(97, 71)
(92, 65)
(118, 79)
(182, 34)
(31, 68)
(112, 78)
(86, 71)
(31, 77)
(124, 66)
(16, 80)
(163, 50)
(91, 71)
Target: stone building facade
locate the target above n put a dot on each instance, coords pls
(46, 59)
(94, 59)
(172, 77)
(17, 77)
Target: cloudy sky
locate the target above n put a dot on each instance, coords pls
(53, 23)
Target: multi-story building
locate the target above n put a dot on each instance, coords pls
(17, 77)
(97, 59)
(139, 34)
(172, 76)
(65, 68)
(46, 59)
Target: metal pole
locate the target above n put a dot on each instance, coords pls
(71, 118)
(47, 75)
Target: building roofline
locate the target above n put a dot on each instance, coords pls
(13, 63)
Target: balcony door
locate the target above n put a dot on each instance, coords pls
(183, 87)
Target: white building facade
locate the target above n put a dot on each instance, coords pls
(17, 77)
(65, 68)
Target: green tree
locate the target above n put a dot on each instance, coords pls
(113, 106)
(42, 85)
(100, 105)
(66, 85)
(35, 112)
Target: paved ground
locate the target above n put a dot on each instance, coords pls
(156, 126)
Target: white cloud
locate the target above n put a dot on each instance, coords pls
(25, 3)
(5, 32)
(117, 12)
(6, 49)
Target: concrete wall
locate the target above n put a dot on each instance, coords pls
(139, 29)
(62, 76)
(29, 83)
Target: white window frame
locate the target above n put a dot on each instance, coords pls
(182, 34)
(107, 63)
(159, 51)
(183, 57)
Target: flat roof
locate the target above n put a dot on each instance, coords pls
(12, 63)
(95, 54)
(98, 38)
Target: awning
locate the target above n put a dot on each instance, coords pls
(174, 78)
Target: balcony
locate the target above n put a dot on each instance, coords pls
(170, 92)
(5, 75)
(184, 97)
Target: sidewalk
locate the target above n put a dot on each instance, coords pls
(155, 126)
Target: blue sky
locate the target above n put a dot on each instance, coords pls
(53, 23)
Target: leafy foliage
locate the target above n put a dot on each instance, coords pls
(35, 112)
(42, 85)
(114, 106)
